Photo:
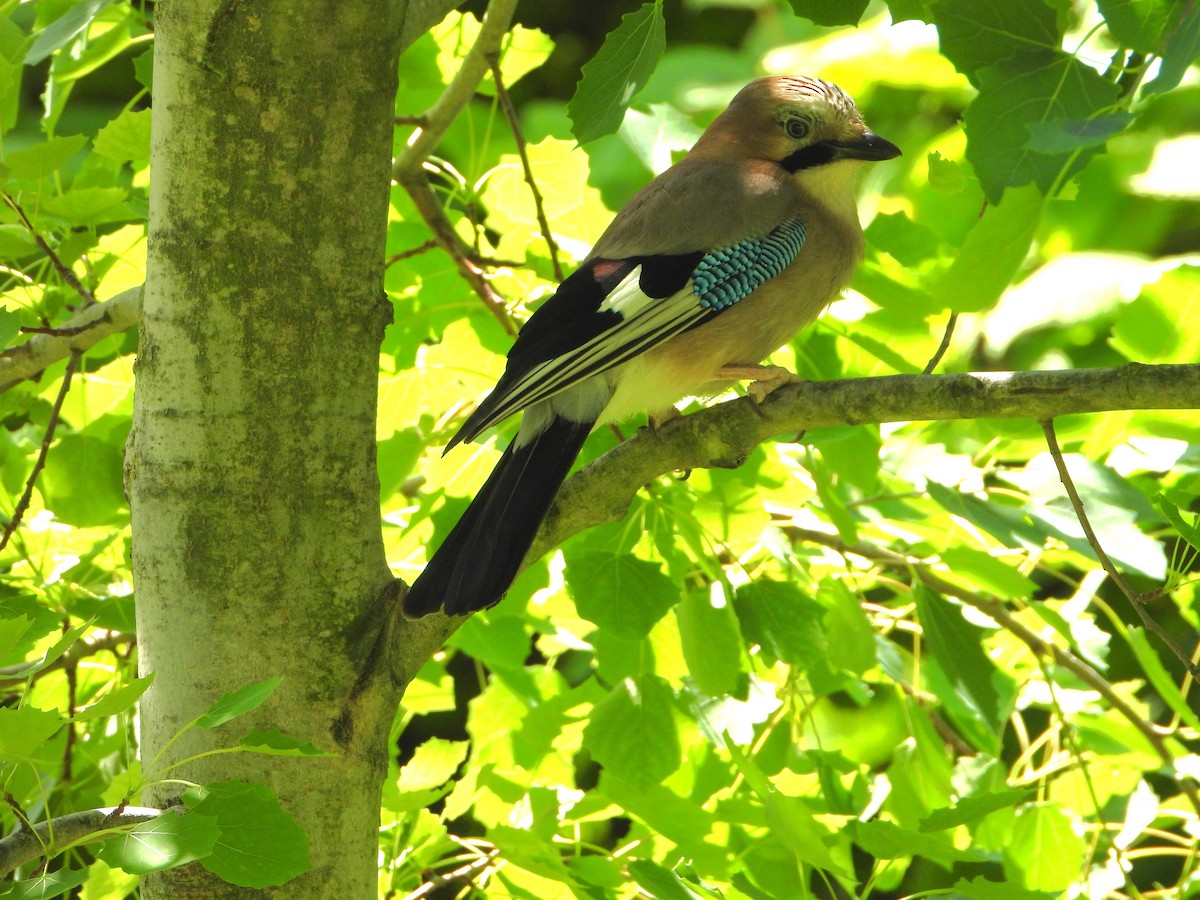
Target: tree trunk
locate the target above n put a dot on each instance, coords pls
(251, 466)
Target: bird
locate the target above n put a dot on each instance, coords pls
(716, 263)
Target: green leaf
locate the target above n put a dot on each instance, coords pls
(1017, 93)
(1181, 51)
(945, 175)
(661, 883)
(1157, 673)
(994, 575)
(956, 645)
(238, 702)
(622, 594)
(1144, 331)
(782, 620)
(993, 253)
(126, 138)
(654, 137)
(632, 731)
(89, 206)
(12, 629)
(260, 844)
(1075, 134)
(62, 645)
(55, 884)
(24, 730)
(712, 643)
(433, 764)
(790, 819)
(974, 34)
(847, 627)
(59, 32)
(830, 12)
(143, 68)
(675, 818)
(906, 10)
(979, 888)
(1188, 531)
(617, 72)
(1044, 853)
(274, 742)
(887, 840)
(973, 808)
(1142, 25)
(43, 159)
(15, 242)
(172, 839)
(906, 241)
(98, 499)
(116, 701)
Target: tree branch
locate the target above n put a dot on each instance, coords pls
(724, 435)
(77, 334)
(53, 835)
(409, 168)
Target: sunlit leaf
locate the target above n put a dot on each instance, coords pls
(116, 701)
(52, 884)
(978, 33)
(632, 731)
(273, 742)
(24, 731)
(612, 78)
(126, 138)
(259, 844)
(1045, 853)
(712, 643)
(162, 843)
(972, 808)
(1017, 93)
(993, 253)
(1183, 46)
(63, 29)
(620, 593)
(238, 702)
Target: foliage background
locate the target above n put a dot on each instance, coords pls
(766, 681)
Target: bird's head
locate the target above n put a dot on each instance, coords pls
(808, 126)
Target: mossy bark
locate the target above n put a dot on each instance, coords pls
(251, 466)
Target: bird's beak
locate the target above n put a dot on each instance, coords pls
(868, 146)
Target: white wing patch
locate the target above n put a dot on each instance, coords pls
(646, 322)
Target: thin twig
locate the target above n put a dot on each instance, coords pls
(1137, 599)
(514, 124)
(464, 873)
(996, 611)
(34, 840)
(411, 252)
(40, 462)
(943, 347)
(63, 270)
(408, 169)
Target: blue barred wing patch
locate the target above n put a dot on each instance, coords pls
(723, 277)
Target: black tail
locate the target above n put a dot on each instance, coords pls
(480, 557)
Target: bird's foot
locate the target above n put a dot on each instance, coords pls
(763, 379)
(656, 420)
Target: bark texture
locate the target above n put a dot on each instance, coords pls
(251, 466)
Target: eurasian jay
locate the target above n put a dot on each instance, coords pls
(716, 263)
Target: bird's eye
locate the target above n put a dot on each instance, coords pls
(796, 128)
